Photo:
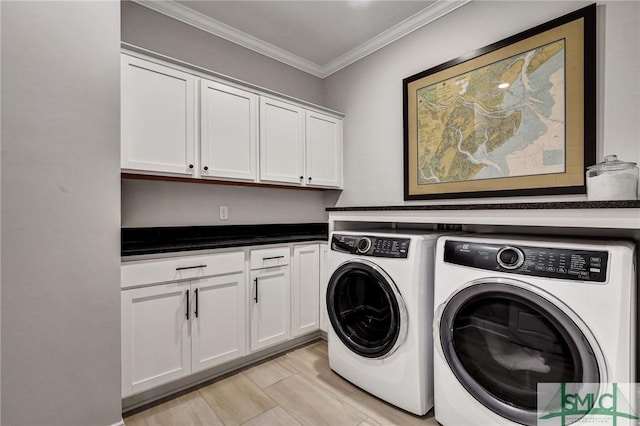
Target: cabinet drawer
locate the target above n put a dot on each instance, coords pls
(180, 268)
(267, 258)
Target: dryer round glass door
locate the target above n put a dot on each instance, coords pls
(365, 309)
(500, 340)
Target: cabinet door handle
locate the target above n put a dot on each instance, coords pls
(191, 166)
(206, 168)
(196, 310)
(187, 314)
(182, 268)
(256, 296)
(309, 177)
(272, 257)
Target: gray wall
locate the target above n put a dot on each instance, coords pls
(369, 92)
(152, 203)
(60, 213)
(168, 203)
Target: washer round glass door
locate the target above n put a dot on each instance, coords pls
(365, 309)
(501, 340)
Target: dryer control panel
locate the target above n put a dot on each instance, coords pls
(368, 245)
(561, 263)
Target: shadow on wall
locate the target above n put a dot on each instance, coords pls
(162, 203)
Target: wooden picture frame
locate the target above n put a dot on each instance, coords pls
(515, 118)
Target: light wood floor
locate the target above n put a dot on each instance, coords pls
(297, 388)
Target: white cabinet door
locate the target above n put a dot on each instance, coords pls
(305, 289)
(323, 150)
(157, 112)
(281, 142)
(228, 138)
(218, 331)
(270, 301)
(155, 336)
(324, 281)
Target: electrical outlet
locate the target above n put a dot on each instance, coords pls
(224, 212)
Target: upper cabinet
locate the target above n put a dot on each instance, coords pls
(228, 132)
(158, 118)
(243, 135)
(298, 146)
(281, 142)
(323, 150)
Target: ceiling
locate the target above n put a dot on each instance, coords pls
(318, 37)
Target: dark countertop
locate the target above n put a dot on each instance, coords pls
(627, 204)
(143, 241)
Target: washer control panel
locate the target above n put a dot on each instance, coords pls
(561, 263)
(369, 245)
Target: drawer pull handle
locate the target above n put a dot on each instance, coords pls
(182, 268)
(272, 257)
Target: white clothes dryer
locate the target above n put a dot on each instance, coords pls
(379, 303)
(512, 312)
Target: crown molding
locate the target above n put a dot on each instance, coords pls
(427, 15)
(203, 22)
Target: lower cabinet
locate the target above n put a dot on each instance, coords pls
(186, 314)
(270, 297)
(155, 336)
(218, 326)
(172, 330)
(324, 281)
(305, 289)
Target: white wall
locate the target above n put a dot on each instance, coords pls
(60, 213)
(155, 203)
(369, 92)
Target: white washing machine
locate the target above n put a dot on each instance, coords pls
(512, 312)
(379, 303)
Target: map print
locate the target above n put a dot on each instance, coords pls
(502, 120)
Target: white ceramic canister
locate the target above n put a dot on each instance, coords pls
(612, 180)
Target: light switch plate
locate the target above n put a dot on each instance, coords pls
(224, 212)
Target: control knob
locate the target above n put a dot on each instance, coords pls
(510, 257)
(364, 244)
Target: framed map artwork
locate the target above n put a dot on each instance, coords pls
(514, 118)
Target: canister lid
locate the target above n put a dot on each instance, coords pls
(611, 163)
